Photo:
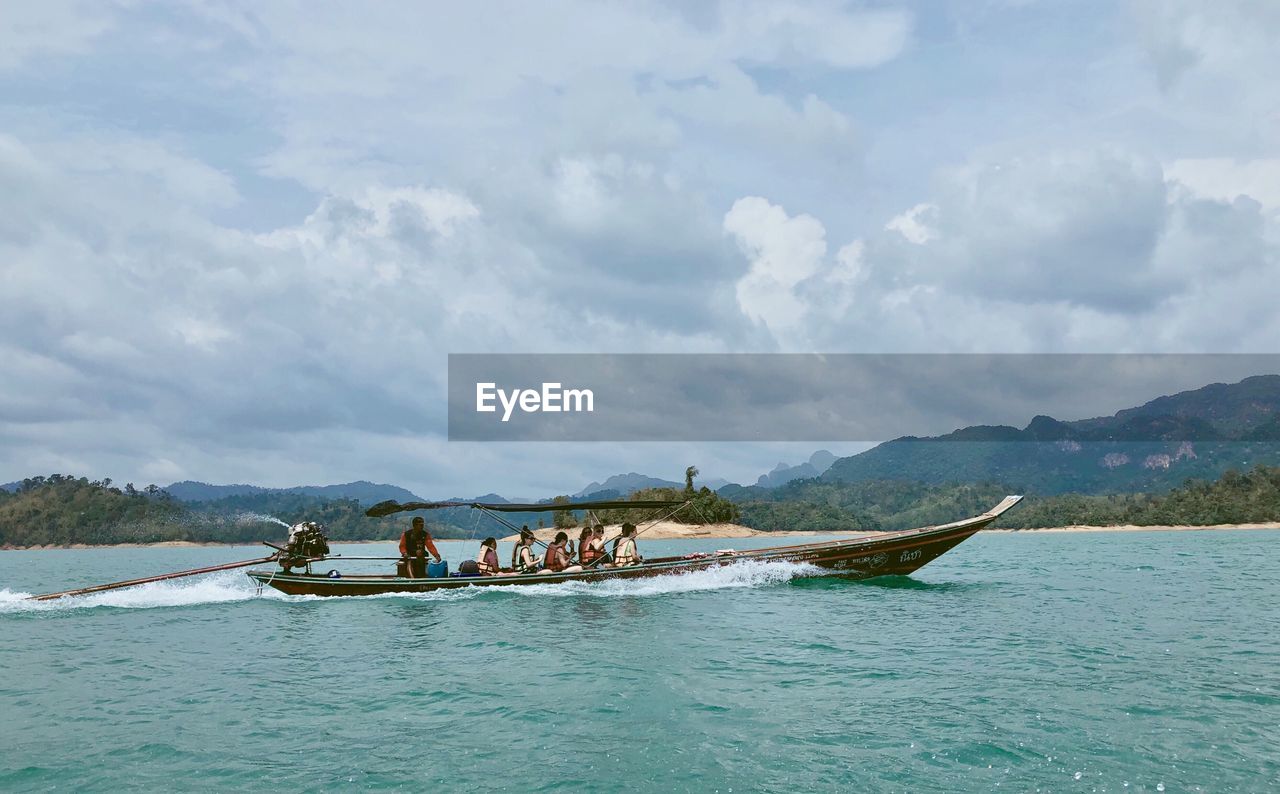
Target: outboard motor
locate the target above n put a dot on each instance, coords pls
(306, 540)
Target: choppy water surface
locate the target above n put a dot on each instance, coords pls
(1068, 662)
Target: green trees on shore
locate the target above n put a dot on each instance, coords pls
(707, 507)
(1235, 498)
(62, 510)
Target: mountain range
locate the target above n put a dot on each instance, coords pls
(782, 474)
(625, 484)
(1196, 434)
(362, 491)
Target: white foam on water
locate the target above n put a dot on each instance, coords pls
(223, 587)
(232, 586)
(748, 573)
(8, 596)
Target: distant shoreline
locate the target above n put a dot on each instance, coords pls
(1139, 528)
(671, 531)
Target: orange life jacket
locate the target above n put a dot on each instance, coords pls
(557, 559)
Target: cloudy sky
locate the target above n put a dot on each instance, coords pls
(237, 241)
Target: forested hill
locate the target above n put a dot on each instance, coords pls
(1234, 498)
(63, 510)
(362, 491)
(1198, 434)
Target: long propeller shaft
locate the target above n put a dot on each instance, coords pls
(162, 577)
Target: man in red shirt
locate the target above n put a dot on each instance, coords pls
(415, 542)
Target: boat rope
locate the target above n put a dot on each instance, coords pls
(508, 524)
(639, 531)
(701, 514)
(475, 523)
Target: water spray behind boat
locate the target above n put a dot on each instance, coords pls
(247, 517)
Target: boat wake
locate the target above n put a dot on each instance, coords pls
(232, 586)
(216, 588)
(742, 574)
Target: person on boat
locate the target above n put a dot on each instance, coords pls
(415, 542)
(487, 559)
(523, 560)
(624, 548)
(584, 546)
(597, 542)
(557, 559)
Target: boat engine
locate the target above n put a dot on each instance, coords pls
(306, 540)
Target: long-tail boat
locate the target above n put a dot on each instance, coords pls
(880, 554)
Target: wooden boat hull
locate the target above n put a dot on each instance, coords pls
(884, 554)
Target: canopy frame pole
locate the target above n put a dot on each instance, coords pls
(592, 519)
(507, 524)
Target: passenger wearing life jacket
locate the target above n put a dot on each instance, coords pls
(584, 546)
(624, 548)
(597, 542)
(415, 542)
(487, 559)
(523, 559)
(557, 558)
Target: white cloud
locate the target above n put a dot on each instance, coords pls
(1216, 65)
(1184, 35)
(781, 32)
(914, 224)
(50, 28)
(1075, 251)
(783, 251)
(1226, 179)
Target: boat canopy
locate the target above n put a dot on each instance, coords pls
(391, 506)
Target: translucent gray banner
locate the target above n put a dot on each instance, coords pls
(800, 397)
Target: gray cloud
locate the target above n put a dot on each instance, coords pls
(1075, 251)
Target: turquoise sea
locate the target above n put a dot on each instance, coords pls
(1144, 661)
